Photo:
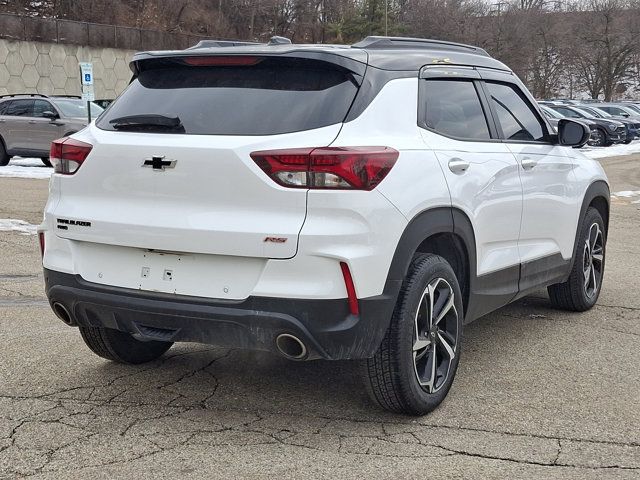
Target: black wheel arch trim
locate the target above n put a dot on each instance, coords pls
(598, 189)
(484, 293)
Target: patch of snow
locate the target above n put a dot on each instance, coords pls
(20, 226)
(612, 151)
(627, 193)
(26, 168)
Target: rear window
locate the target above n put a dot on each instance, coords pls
(272, 96)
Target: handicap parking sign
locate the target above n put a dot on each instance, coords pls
(86, 73)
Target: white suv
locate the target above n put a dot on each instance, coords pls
(322, 202)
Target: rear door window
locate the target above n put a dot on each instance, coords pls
(20, 108)
(41, 106)
(516, 118)
(453, 108)
(269, 96)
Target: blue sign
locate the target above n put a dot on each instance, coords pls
(87, 77)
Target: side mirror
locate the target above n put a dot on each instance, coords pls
(49, 114)
(572, 133)
(625, 115)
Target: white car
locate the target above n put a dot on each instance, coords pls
(321, 202)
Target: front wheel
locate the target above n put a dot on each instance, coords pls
(598, 138)
(581, 290)
(415, 365)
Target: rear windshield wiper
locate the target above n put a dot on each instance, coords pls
(149, 121)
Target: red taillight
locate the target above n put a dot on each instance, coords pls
(41, 238)
(67, 154)
(351, 289)
(341, 168)
(233, 61)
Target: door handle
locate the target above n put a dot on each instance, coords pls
(528, 163)
(457, 165)
(32, 122)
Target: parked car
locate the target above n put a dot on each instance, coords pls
(554, 118)
(30, 122)
(609, 131)
(320, 202)
(632, 125)
(619, 110)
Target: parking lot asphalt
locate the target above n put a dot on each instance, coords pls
(540, 393)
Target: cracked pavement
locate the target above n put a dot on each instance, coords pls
(539, 393)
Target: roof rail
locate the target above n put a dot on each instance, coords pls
(373, 42)
(24, 95)
(65, 96)
(220, 43)
(279, 41)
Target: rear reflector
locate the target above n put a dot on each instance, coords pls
(67, 154)
(351, 289)
(337, 168)
(233, 61)
(41, 238)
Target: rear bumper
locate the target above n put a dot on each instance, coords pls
(326, 327)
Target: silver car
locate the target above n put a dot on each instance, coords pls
(29, 123)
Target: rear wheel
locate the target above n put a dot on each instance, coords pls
(4, 158)
(416, 362)
(120, 346)
(581, 290)
(46, 162)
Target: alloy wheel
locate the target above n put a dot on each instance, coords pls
(435, 336)
(593, 260)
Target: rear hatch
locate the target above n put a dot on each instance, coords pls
(170, 168)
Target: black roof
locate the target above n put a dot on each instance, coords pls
(386, 53)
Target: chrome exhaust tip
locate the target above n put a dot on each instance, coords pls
(291, 347)
(62, 313)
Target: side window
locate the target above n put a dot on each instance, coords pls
(3, 106)
(20, 108)
(516, 117)
(567, 113)
(41, 106)
(453, 108)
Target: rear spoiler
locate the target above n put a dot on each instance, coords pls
(352, 60)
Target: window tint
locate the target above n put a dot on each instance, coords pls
(567, 112)
(20, 108)
(41, 106)
(269, 96)
(517, 119)
(453, 108)
(3, 107)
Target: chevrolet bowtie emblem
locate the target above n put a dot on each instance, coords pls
(159, 163)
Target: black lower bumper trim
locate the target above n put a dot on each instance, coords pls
(326, 327)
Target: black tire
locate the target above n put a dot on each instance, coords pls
(121, 347)
(46, 162)
(628, 141)
(580, 292)
(4, 157)
(391, 376)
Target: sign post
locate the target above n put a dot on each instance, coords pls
(86, 80)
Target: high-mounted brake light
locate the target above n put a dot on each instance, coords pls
(337, 168)
(67, 154)
(224, 61)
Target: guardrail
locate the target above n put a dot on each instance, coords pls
(51, 30)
